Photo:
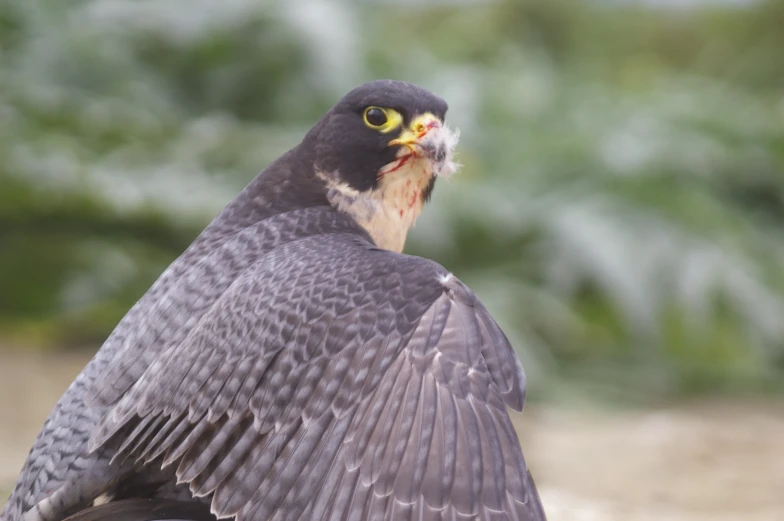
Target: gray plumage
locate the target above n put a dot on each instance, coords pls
(285, 367)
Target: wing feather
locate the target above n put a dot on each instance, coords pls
(235, 451)
(186, 438)
(398, 434)
(408, 483)
(372, 466)
(199, 455)
(328, 381)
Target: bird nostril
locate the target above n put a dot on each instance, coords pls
(420, 127)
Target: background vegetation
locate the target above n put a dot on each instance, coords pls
(620, 209)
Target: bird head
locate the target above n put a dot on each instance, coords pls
(380, 150)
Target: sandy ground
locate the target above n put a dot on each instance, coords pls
(714, 460)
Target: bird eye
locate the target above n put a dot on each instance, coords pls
(375, 117)
(384, 120)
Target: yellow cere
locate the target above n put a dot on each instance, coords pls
(393, 119)
(418, 128)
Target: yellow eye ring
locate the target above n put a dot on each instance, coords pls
(375, 117)
(382, 119)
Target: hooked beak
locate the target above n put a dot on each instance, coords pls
(413, 136)
(428, 136)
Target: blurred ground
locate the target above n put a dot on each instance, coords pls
(591, 464)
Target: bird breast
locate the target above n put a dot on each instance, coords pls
(388, 211)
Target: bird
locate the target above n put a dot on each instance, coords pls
(294, 364)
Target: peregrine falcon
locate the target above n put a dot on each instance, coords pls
(293, 364)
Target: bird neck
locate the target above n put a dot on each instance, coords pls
(390, 209)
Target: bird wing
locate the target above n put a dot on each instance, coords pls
(331, 380)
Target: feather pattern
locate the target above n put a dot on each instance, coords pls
(322, 367)
(317, 377)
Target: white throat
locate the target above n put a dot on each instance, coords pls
(388, 211)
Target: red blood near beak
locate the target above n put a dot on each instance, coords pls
(400, 162)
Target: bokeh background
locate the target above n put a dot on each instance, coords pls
(620, 209)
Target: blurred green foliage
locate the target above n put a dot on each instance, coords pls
(620, 209)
